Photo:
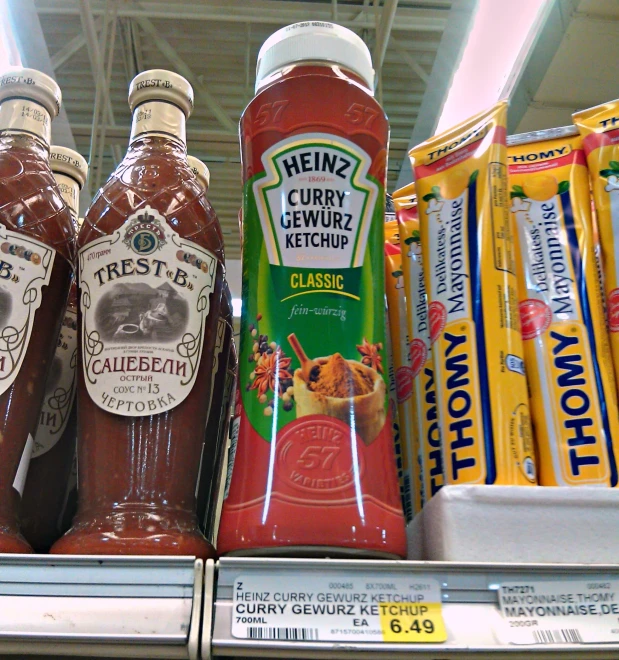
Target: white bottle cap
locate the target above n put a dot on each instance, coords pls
(161, 85)
(314, 41)
(31, 84)
(200, 170)
(69, 162)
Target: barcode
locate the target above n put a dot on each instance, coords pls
(562, 636)
(295, 634)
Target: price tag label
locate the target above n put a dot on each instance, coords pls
(373, 607)
(419, 622)
(562, 612)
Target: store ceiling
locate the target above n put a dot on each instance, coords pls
(216, 44)
(582, 71)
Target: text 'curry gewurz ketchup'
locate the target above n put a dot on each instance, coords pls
(54, 441)
(314, 461)
(36, 269)
(150, 272)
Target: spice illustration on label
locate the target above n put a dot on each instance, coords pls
(145, 298)
(25, 268)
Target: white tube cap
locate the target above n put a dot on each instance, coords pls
(69, 162)
(314, 41)
(31, 84)
(200, 170)
(161, 85)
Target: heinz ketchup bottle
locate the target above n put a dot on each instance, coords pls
(36, 268)
(55, 437)
(150, 271)
(314, 461)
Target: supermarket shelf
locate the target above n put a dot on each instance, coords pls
(128, 607)
(469, 595)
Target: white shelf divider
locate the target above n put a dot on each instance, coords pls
(106, 606)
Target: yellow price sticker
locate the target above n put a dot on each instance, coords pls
(413, 623)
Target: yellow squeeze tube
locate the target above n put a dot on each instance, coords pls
(396, 307)
(425, 409)
(470, 273)
(393, 410)
(567, 352)
(599, 128)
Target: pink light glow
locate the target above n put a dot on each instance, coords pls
(497, 46)
(9, 56)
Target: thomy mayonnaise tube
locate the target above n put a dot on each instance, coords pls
(567, 353)
(470, 270)
(396, 305)
(425, 410)
(599, 128)
(393, 410)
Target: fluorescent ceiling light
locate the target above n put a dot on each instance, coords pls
(237, 305)
(497, 49)
(9, 55)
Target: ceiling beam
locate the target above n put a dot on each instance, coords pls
(271, 12)
(73, 46)
(383, 32)
(410, 60)
(99, 75)
(541, 56)
(181, 67)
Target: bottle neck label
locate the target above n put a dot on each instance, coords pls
(25, 116)
(70, 192)
(145, 295)
(159, 118)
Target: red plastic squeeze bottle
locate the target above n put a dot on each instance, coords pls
(36, 269)
(314, 462)
(55, 437)
(150, 271)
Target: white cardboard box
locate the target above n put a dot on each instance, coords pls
(522, 524)
(415, 538)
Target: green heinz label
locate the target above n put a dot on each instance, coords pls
(313, 283)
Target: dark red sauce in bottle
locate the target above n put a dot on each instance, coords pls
(36, 269)
(151, 277)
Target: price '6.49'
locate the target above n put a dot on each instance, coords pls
(412, 622)
(417, 625)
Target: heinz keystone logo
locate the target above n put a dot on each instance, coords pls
(316, 202)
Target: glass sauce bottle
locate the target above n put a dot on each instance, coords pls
(55, 437)
(36, 269)
(212, 457)
(212, 452)
(150, 274)
(314, 463)
(213, 512)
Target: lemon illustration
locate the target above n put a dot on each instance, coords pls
(541, 187)
(454, 183)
